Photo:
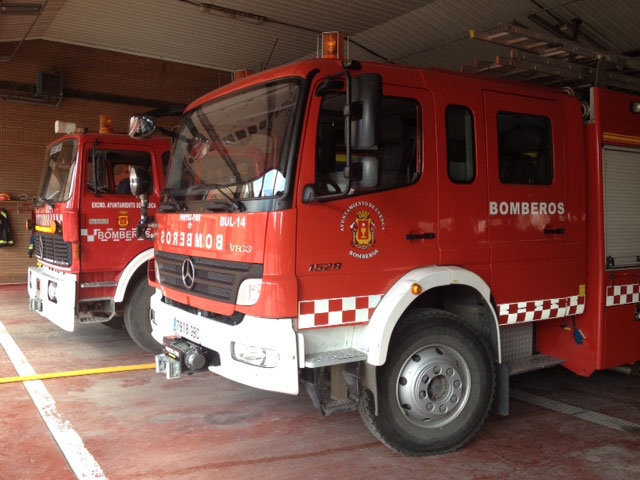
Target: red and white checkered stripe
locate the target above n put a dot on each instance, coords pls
(336, 311)
(540, 309)
(623, 294)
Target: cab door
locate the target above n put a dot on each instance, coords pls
(351, 250)
(110, 213)
(533, 274)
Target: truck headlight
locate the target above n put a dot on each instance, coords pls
(249, 291)
(51, 291)
(257, 356)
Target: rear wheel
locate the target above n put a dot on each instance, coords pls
(435, 390)
(136, 316)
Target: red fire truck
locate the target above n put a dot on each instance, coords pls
(397, 240)
(91, 265)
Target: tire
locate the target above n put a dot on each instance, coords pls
(136, 316)
(116, 323)
(444, 414)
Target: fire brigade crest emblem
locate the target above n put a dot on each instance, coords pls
(364, 221)
(123, 219)
(363, 229)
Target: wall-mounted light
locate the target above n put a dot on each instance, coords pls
(20, 8)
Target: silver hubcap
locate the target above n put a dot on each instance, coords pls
(433, 386)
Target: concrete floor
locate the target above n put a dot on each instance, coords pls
(139, 425)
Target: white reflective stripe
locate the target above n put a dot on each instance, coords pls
(330, 312)
(535, 310)
(623, 294)
(78, 457)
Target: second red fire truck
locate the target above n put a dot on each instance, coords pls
(398, 240)
(91, 265)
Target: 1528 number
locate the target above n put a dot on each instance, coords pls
(325, 267)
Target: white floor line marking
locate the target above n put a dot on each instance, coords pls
(588, 415)
(78, 457)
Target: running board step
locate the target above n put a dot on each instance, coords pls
(334, 357)
(534, 362)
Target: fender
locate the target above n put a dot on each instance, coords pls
(128, 272)
(374, 338)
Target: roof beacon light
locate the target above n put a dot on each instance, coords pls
(106, 124)
(64, 127)
(239, 74)
(332, 45)
(635, 107)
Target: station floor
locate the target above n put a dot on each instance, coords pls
(138, 425)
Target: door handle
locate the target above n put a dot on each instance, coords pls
(553, 231)
(420, 236)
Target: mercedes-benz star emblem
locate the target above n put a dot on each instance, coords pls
(188, 273)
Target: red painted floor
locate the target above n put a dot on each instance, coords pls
(139, 425)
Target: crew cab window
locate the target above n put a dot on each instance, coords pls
(396, 158)
(110, 174)
(525, 149)
(461, 152)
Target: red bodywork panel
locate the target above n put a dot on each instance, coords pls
(101, 227)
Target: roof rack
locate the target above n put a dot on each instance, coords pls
(554, 61)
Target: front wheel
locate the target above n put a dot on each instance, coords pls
(136, 316)
(435, 390)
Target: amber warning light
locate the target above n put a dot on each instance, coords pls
(239, 74)
(332, 45)
(106, 124)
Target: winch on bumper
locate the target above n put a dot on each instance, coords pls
(53, 295)
(259, 352)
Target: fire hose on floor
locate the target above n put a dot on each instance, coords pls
(77, 373)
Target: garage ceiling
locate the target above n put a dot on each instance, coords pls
(238, 34)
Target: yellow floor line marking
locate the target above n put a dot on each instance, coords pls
(77, 373)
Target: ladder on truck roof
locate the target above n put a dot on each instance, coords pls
(545, 59)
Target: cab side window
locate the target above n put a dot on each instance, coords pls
(108, 170)
(525, 149)
(461, 152)
(394, 162)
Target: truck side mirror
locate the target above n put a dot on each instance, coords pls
(365, 106)
(142, 126)
(139, 181)
(363, 172)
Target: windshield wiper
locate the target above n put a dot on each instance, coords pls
(174, 204)
(230, 203)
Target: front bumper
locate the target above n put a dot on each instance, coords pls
(62, 311)
(274, 334)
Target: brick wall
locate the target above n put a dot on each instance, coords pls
(26, 129)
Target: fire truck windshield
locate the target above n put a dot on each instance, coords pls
(57, 179)
(235, 148)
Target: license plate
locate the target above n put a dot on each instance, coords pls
(186, 330)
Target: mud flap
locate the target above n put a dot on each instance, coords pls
(500, 404)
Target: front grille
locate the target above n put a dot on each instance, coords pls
(52, 248)
(214, 279)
